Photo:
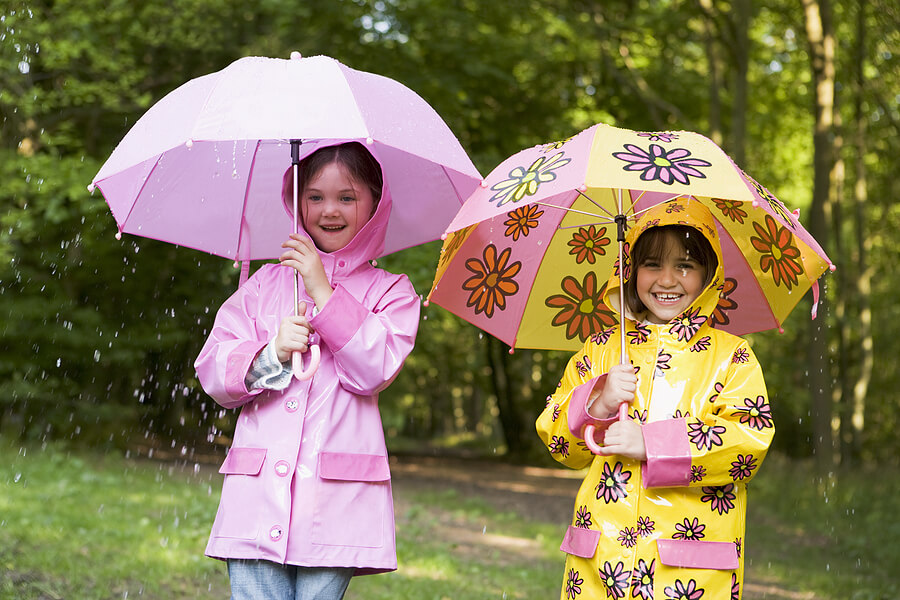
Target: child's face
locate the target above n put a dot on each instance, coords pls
(668, 285)
(335, 207)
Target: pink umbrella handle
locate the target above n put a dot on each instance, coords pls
(297, 363)
(589, 440)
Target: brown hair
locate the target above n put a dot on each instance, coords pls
(652, 244)
(353, 156)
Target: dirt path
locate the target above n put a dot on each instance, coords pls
(536, 493)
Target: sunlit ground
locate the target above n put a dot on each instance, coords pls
(84, 526)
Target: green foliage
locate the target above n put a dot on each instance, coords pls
(97, 337)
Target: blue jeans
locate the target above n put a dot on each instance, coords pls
(265, 580)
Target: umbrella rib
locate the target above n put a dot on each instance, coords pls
(240, 240)
(575, 210)
(595, 203)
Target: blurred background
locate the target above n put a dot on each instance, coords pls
(98, 336)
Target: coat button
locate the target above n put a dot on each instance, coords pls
(282, 468)
(275, 533)
(291, 405)
(342, 263)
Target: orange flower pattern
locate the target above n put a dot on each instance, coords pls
(522, 220)
(582, 311)
(779, 255)
(493, 280)
(587, 243)
(731, 209)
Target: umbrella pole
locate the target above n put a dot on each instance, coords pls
(295, 166)
(621, 225)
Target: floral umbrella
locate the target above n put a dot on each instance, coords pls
(527, 255)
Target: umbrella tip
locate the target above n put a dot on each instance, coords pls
(91, 187)
(296, 55)
(189, 143)
(443, 237)
(512, 350)
(369, 141)
(425, 303)
(832, 267)
(483, 183)
(118, 235)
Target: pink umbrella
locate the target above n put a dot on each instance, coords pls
(203, 167)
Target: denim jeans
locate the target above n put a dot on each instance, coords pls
(265, 580)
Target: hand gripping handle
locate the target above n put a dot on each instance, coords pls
(297, 363)
(592, 444)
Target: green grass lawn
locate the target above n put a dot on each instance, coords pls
(83, 526)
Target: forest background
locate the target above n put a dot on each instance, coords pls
(98, 336)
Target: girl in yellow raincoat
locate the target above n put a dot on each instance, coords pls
(661, 513)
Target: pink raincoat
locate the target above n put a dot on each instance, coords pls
(306, 479)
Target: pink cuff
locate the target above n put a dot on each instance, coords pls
(239, 361)
(578, 415)
(668, 454)
(342, 317)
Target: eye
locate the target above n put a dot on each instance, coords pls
(314, 198)
(650, 263)
(348, 199)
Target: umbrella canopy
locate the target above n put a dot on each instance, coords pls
(527, 256)
(203, 167)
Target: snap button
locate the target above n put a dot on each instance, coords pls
(629, 487)
(626, 553)
(342, 263)
(275, 533)
(282, 468)
(291, 405)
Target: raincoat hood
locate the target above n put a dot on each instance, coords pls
(679, 211)
(368, 243)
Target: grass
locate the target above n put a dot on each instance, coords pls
(78, 525)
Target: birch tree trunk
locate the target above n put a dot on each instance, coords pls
(820, 37)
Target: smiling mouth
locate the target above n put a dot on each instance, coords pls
(666, 298)
(332, 228)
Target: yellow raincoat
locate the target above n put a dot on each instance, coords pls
(671, 527)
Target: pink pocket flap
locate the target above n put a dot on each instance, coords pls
(243, 461)
(698, 555)
(346, 466)
(580, 542)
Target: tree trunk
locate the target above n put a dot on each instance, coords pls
(864, 244)
(741, 22)
(819, 33)
(715, 84)
(504, 390)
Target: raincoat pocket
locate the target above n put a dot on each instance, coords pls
(579, 541)
(352, 497)
(241, 488)
(696, 554)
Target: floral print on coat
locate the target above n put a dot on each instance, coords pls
(670, 527)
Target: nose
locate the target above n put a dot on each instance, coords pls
(330, 206)
(668, 276)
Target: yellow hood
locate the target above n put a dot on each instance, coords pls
(679, 211)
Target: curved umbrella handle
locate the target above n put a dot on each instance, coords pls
(297, 363)
(589, 440)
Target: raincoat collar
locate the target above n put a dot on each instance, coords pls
(679, 211)
(368, 244)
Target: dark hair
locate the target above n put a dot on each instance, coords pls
(653, 243)
(353, 156)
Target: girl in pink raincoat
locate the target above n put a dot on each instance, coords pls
(306, 502)
(661, 513)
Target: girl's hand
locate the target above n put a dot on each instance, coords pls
(625, 438)
(302, 256)
(293, 335)
(620, 386)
